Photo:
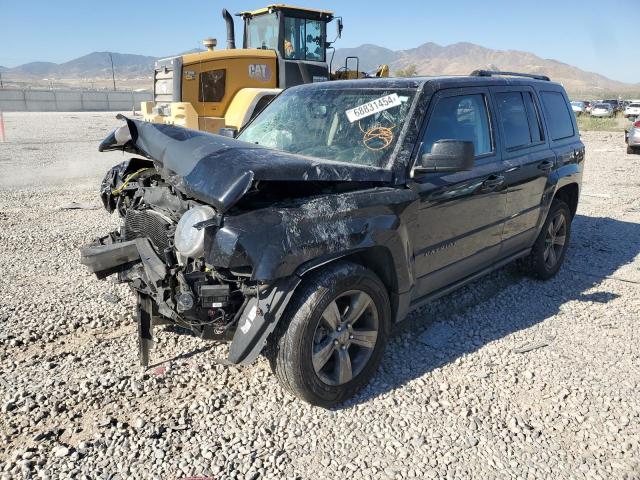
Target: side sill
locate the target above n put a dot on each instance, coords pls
(454, 286)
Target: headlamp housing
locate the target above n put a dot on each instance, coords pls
(189, 241)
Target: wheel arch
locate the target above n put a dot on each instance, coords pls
(377, 258)
(569, 194)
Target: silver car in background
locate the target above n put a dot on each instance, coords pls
(602, 110)
(578, 107)
(632, 137)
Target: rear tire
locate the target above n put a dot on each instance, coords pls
(331, 338)
(548, 252)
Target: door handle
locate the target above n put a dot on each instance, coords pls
(547, 165)
(493, 182)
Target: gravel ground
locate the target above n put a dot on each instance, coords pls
(506, 378)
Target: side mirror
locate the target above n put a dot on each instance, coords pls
(339, 27)
(228, 132)
(447, 156)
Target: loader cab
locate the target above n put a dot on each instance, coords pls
(298, 35)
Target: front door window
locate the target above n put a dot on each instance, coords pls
(462, 117)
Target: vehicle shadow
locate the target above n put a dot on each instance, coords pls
(447, 329)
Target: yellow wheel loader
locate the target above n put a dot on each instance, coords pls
(211, 90)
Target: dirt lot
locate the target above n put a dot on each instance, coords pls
(461, 393)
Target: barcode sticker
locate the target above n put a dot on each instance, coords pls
(373, 107)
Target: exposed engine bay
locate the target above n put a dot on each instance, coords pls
(205, 300)
(159, 251)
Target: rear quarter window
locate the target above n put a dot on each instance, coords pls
(558, 115)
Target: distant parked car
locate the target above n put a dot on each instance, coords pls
(633, 110)
(578, 107)
(615, 104)
(602, 110)
(632, 138)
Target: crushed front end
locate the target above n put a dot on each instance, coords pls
(216, 232)
(159, 250)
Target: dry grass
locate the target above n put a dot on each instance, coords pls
(616, 124)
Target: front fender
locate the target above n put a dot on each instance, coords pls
(282, 244)
(278, 242)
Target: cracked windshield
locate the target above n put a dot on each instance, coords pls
(355, 126)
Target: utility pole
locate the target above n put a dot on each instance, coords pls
(1, 86)
(113, 75)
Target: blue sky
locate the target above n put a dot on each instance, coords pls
(597, 35)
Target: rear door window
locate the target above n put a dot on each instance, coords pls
(514, 119)
(460, 117)
(558, 115)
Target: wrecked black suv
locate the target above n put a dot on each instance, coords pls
(341, 207)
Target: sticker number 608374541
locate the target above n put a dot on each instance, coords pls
(372, 107)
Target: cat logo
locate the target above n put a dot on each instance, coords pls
(260, 72)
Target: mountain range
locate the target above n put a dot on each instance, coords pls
(93, 65)
(462, 58)
(426, 59)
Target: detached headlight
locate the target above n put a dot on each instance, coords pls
(189, 241)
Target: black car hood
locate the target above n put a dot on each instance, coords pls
(219, 170)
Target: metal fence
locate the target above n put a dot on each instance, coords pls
(27, 100)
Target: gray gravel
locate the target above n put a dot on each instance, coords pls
(506, 378)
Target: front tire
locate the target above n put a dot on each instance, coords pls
(548, 252)
(332, 336)
(631, 150)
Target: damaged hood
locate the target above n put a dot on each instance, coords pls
(219, 170)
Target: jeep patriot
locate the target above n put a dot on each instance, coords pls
(337, 210)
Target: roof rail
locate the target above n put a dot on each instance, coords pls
(491, 73)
